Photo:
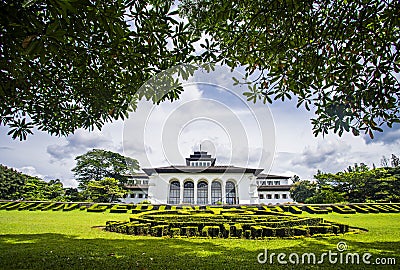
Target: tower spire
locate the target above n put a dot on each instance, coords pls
(200, 147)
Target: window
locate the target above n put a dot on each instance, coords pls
(276, 196)
(202, 192)
(230, 193)
(140, 195)
(284, 196)
(261, 196)
(133, 195)
(145, 182)
(269, 183)
(269, 196)
(277, 183)
(146, 196)
(174, 192)
(216, 192)
(200, 163)
(188, 192)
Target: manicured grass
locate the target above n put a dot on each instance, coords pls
(66, 240)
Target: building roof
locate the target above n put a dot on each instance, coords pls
(274, 188)
(136, 187)
(193, 169)
(138, 175)
(271, 176)
(200, 156)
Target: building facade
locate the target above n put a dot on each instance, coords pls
(201, 182)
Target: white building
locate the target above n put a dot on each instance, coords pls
(201, 182)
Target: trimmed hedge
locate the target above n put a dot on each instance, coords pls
(120, 208)
(97, 208)
(343, 209)
(70, 206)
(315, 209)
(210, 231)
(294, 209)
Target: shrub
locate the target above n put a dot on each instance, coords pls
(58, 207)
(320, 229)
(284, 232)
(120, 208)
(390, 208)
(380, 208)
(236, 230)
(7, 204)
(226, 228)
(301, 231)
(294, 209)
(13, 206)
(49, 207)
(315, 209)
(269, 232)
(210, 231)
(159, 231)
(247, 234)
(97, 208)
(70, 207)
(360, 208)
(256, 232)
(189, 231)
(26, 205)
(39, 206)
(174, 232)
(343, 209)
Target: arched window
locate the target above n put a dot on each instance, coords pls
(188, 192)
(202, 193)
(230, 193)
(174, 192)
(216, 192)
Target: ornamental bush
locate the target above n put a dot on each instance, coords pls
(343, 209)
(97, 208)
(210, 231)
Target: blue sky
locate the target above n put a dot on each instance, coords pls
(211, 112)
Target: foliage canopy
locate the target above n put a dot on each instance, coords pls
(67, 64)
(98, 164)
(340, 59)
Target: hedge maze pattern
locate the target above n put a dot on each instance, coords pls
(250, 223)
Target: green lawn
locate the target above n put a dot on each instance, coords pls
(67, 240)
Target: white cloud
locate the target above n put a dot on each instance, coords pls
(30, 170)
(79, 142)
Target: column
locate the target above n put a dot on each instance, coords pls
(181, 191)
(195, 191)
(209, 192)
(223, 182)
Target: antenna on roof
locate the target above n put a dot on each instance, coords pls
(200, 147)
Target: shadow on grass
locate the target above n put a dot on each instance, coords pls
(58, 251)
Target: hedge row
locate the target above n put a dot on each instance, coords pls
(216, 210)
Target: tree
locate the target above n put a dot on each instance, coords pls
(384, 161)
(17, 186)
(295, 179)
(302, 190)
(105, 190)
(98, 164)
(395, 161)
(338, 58)
(67, 64)
(36, 189)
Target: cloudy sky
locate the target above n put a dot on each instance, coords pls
(213, 113)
